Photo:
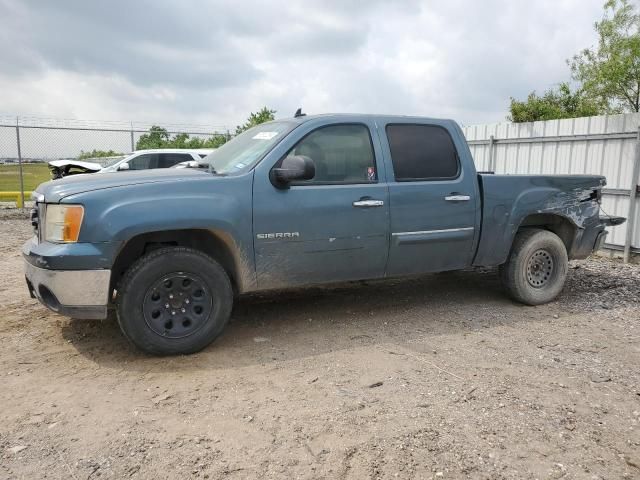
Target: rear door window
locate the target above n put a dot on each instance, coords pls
(422, 152)
(166, 160)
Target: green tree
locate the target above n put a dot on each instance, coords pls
(554, 104)
(182, 140)
(157, 137)
(97, 154)
(215, 141)
(264, 115)
(611, 71)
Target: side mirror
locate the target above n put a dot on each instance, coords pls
(123, 166)
(296, 168)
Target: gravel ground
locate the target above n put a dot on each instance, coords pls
(433, 377)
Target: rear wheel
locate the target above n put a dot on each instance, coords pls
(174, 301)
(536, 269)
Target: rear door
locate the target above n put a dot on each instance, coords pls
(433, 200)
(332, 228)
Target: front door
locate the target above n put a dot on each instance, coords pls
(334, 227)
(433, 200)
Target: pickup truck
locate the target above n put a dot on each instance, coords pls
(294, 202)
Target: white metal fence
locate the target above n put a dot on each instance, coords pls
(606, 145)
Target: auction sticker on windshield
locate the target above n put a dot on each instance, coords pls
(264, 135)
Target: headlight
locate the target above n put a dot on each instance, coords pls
(62, 223)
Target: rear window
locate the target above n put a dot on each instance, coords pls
(422, 152)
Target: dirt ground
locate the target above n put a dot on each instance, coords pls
(432, 377)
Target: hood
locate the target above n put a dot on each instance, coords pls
(56, 190)
(64, 168)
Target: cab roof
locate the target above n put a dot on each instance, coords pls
(338, 116)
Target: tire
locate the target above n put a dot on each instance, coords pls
(174, 301)
(536, 269)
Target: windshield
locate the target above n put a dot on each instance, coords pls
(244, 151)
(113, 161)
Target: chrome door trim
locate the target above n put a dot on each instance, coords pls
(421, 232)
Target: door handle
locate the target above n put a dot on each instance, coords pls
(368, 203)
(457, 198)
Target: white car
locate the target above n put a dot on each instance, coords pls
(138, 160)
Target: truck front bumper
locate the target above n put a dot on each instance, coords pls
(73, 293)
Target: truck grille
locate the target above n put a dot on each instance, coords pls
(35, 220)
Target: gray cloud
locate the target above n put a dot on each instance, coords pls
(148, 44)
(216, 61)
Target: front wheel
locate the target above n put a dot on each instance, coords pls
(174, 300)
(536, 269)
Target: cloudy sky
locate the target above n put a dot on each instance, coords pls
(211, 63)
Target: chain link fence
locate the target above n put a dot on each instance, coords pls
(27, 144)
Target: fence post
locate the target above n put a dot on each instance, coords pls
(133, 147)
(631, 216)
(492, 166)
(20, 163)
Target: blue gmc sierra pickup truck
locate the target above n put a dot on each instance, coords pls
(293, 202)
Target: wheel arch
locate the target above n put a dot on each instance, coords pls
(562, 226)
(218, 244)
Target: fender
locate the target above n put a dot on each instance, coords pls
(115, 215)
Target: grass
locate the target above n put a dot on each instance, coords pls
(34, 175)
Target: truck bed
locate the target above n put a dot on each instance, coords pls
(510, 201)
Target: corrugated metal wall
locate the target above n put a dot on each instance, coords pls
(603, 145)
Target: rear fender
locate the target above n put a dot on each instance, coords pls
(502, 216)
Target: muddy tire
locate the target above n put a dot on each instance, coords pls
(536, 269)
(173, 301)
